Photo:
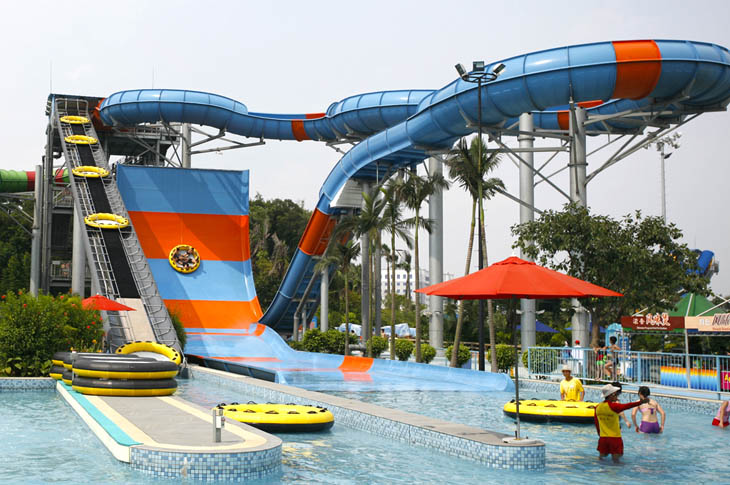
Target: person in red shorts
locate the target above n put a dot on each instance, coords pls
(606, 418)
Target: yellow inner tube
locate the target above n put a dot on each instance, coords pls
(103, 220)
(74, 120)
(277, 413)
(89, 171)
(81, 140)
(184, 258)
(99, 374)
(155, 347)
(98, 391)
(575, 409)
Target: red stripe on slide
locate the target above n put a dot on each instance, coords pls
(297, 128)
(638, 68)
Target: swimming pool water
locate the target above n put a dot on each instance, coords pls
(689, 451)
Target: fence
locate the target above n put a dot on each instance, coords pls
(704, 372)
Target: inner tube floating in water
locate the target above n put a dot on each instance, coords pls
(89, 171)
(280, 418)
(154, 347)
(184, 258)
(119, 366)
(121, 387)
(103, 220)
(81, 140)
(74, 120)
(552, 411)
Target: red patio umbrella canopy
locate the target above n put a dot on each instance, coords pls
(102, 303)
(515, 278)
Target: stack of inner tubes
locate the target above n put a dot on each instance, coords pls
(118, 374)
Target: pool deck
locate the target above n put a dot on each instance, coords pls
(171, 437)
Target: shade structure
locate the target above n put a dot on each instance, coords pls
(541, 327)
(102, 303)
(516, 278)
(693, 304)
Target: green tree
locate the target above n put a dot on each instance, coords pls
(466, 170)
(15, 243)
(342, 254)
(640, 257)
(396, 226)
(416, 190)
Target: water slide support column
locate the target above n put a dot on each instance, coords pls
(378, 286)
(365, 278)
(436, 258)
(577, 169)
(186, 139)
(78, 257)
(47, 212)
(324, 295)
(35, 252)
(527, 214)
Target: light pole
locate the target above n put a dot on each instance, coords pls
(671, 141)
(479, 75)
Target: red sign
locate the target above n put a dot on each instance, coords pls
(660, 322)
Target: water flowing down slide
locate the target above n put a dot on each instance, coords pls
(665, 79)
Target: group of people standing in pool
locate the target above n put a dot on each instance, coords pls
(607, 413)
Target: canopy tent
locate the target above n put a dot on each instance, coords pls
(692, 305)
(541, 327)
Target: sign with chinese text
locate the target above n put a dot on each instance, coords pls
(658, 322)
(719, 322)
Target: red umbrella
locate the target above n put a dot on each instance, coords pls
(98, 302)
(515, 278)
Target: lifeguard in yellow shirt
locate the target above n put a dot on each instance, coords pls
(571, 389)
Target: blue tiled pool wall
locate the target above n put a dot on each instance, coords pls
(251, 465)
(504, 457)
(27, 383)
(594, 394)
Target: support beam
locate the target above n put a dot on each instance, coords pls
(527, 214)
(78, 261)
(365, 278)
(377, 286)
(324, 295)
(436, 258)
(35, 252)
(186, 140)
(578, 166)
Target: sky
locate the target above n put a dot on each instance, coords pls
(298, 57)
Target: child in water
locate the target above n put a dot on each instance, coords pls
(649, 411)
(723, 415)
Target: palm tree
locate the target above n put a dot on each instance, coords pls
(341, 255)
(464, 168)
(367, 222)
(416, 191)
(396, 227)
(405, 263)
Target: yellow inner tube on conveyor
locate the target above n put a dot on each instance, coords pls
(90, 171)
(184, 258)
(74, 120)
(282, 418)
(81, 140)
(552, 411)
(103, 220)
(155, 347)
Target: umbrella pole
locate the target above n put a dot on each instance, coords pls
(512, 314)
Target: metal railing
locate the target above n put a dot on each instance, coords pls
(693, 371)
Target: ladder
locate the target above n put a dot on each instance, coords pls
(119, 268)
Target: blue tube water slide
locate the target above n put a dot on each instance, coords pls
(397, 128)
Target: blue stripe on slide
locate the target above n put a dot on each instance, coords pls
(213, 281)
(160, 189)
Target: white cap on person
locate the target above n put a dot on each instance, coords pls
(608, 389)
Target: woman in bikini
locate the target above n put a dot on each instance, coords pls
(649, 411)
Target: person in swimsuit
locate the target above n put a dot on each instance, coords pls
(723, 415)
(611, 359)
(649, 411)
